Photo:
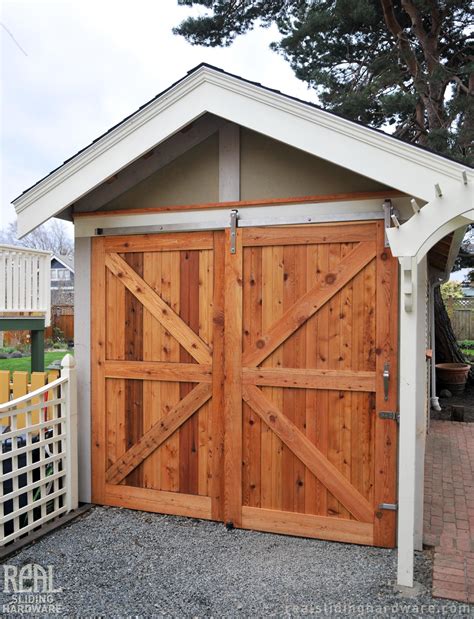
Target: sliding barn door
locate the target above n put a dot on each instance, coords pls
(311, 324)
(246, 386)
(157, 363)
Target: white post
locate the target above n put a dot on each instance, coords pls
(68, 370)
(412, 431)
(229, 163)
(46, 266)
(422, 399)
(82, 354)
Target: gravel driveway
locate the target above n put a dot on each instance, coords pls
(116, 562)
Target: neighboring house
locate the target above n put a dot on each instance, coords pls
(254, 275)
(62, 280)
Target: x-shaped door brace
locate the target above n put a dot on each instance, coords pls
(310, 303)
(188, 339)
(159, 433)
(309, 454)
(165, 315)
(293, 318)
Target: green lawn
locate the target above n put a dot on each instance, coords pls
(25, 362)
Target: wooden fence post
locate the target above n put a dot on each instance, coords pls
(68, 370)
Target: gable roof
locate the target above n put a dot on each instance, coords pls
(205, 88)
(67, 261)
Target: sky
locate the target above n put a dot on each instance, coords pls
(79, 66)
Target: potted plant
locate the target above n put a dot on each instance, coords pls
(453, 376)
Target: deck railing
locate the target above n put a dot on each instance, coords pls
(25, 282)
(38, 456)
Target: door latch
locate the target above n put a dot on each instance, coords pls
(393, 416)
(386, 380)
(234, 217)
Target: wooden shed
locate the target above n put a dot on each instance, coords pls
(252, 286)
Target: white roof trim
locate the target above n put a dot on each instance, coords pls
(345, 143)
(436, 219)
(67, 266)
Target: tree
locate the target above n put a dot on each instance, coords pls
(402, 65)
(53, 236)
(407, 64)
(447, 348)
(465, 259)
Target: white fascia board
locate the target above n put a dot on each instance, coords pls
(131, 140)
(314, 131)
(340, 141)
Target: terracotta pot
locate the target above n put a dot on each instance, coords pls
(453, 376)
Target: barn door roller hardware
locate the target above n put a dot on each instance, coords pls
(223, 219)
(234, 218)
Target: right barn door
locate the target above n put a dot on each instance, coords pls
(318, 365)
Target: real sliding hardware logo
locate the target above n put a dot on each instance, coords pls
(30, 589)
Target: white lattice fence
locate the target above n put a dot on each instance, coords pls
(39, 459)
(467, 303)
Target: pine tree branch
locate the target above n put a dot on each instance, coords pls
(397, 31)
(459, 82)
(416, 21)
(436, 18)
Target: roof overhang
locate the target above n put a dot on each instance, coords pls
(371, 153)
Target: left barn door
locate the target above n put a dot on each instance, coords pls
(157, 364)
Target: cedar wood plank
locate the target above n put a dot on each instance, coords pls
(159, 370)
(233, 384)
(162, 430)
(161, 310)
(332, 478)
(386, 430)
(301, 378)
(216, 451)
(310, 303)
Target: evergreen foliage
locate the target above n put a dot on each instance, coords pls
(404, 64)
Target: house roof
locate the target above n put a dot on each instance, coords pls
(205, 88)
(66, 260)
(214, 68)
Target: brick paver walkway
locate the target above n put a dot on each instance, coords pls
(449, 508)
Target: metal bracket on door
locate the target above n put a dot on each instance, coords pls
(393, 507)
(386, 380)
(234, 218)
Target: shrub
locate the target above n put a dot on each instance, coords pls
(6, 349)
(451, 290)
